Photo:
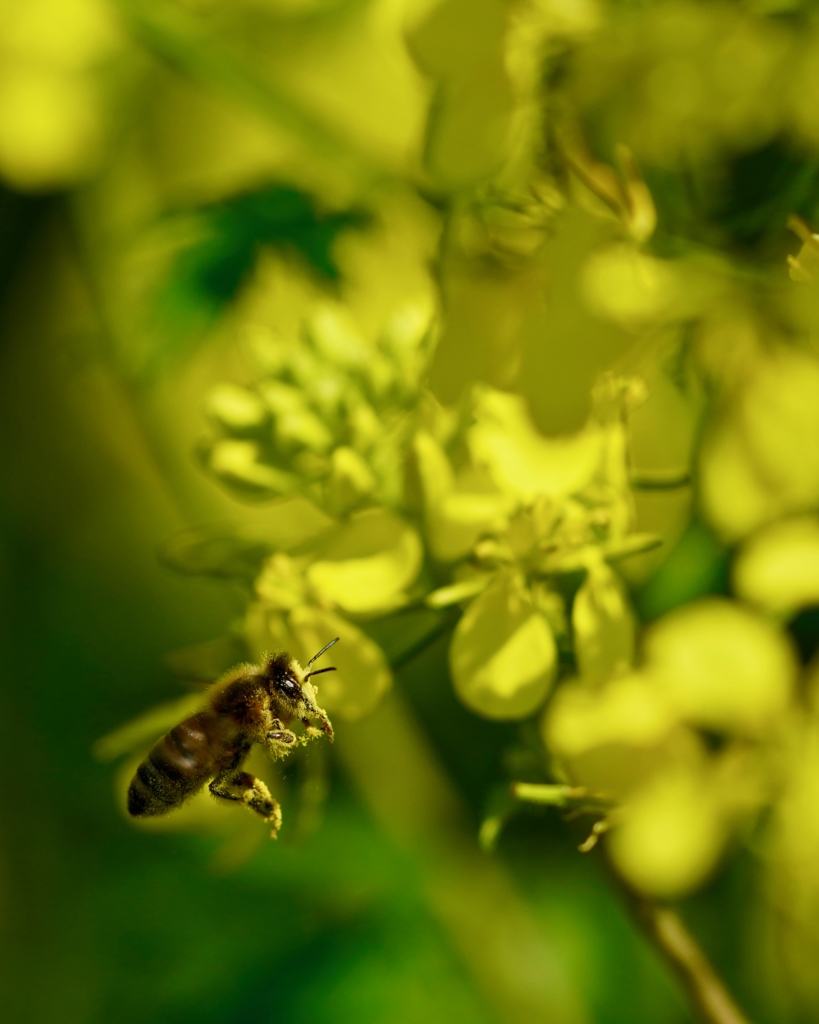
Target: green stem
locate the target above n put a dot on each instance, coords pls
(662, 925)
(667, 932)
(560, 796)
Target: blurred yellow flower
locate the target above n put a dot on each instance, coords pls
(53, 107)
(722, 666)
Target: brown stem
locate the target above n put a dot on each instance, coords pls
(667, 932)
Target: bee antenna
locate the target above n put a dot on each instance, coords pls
(326, 647)
(318, 672)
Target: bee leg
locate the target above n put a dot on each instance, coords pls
(280, 742)
(253, 793)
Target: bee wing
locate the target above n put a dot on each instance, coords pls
(141, 731)
(200, 665)
(195, 684)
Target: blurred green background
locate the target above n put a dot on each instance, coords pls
(484, 334)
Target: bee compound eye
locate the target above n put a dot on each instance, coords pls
(288, 685)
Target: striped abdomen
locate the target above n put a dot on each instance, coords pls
(180, 764)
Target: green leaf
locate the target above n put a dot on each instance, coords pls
(210, 273)
(697, 565)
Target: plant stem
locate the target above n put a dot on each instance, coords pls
(665, 929)
(557, 795)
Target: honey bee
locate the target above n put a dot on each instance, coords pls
(249, 704)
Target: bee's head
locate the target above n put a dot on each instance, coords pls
(288, 686)
(284, 679)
